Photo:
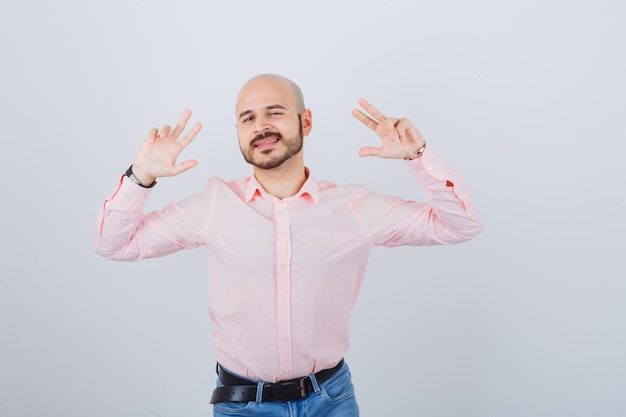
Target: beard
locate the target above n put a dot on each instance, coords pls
(293, 145)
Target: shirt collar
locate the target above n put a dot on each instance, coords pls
(309, 191)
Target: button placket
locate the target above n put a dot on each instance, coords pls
(283, 290)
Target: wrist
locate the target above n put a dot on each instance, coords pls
(140, 179)
(418, 153)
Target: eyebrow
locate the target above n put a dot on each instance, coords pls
(273, 106)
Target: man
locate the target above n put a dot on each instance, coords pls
(286, 253)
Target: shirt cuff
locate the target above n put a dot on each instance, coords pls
(429, 168)
(129, 196)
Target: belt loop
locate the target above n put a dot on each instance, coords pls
(259, 392)
(316, 386)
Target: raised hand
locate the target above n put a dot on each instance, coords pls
(400, 139)
(158, 153)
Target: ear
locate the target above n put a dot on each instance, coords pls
(307, 122)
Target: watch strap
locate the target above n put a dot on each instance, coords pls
(133, 178)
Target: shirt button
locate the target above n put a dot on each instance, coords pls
(284, 338)
(283, 266)
(283, 303)
(429, 167)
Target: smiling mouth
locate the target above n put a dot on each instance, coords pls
(266, 143)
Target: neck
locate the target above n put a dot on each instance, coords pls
(284, 181)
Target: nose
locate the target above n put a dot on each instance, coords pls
(260, 124)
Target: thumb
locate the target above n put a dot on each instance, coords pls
(370, 151)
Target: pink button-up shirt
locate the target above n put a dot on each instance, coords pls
(284, 274)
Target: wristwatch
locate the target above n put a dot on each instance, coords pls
(131, 176)
(419, 152)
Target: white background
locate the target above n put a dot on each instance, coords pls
(526, 99)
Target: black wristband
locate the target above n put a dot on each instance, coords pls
(131, 176)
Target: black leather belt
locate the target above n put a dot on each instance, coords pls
(241, 389)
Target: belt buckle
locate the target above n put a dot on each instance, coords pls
(289, 390)
(303, 392)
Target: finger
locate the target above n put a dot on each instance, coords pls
(363, 118)
(402, 126)
(390, 127)
(165, 131)
(151, 136)
(376, 114)
(180, 126)
(186, 140)
(408, 133)
(370, 151)
(183, 166)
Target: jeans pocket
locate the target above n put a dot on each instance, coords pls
(233, 408)
(339, 387)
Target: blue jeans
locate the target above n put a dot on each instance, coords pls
(334, 398)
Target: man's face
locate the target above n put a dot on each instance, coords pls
(269, 126)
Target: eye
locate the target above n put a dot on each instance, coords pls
(275, 113)
(247, 119)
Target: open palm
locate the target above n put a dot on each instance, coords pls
(158, 153)
(400, 139)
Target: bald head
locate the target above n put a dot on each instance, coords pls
(281, 85)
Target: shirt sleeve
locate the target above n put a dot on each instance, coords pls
(448, 217)
(124, 233)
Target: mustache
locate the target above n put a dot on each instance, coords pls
(264, 135)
